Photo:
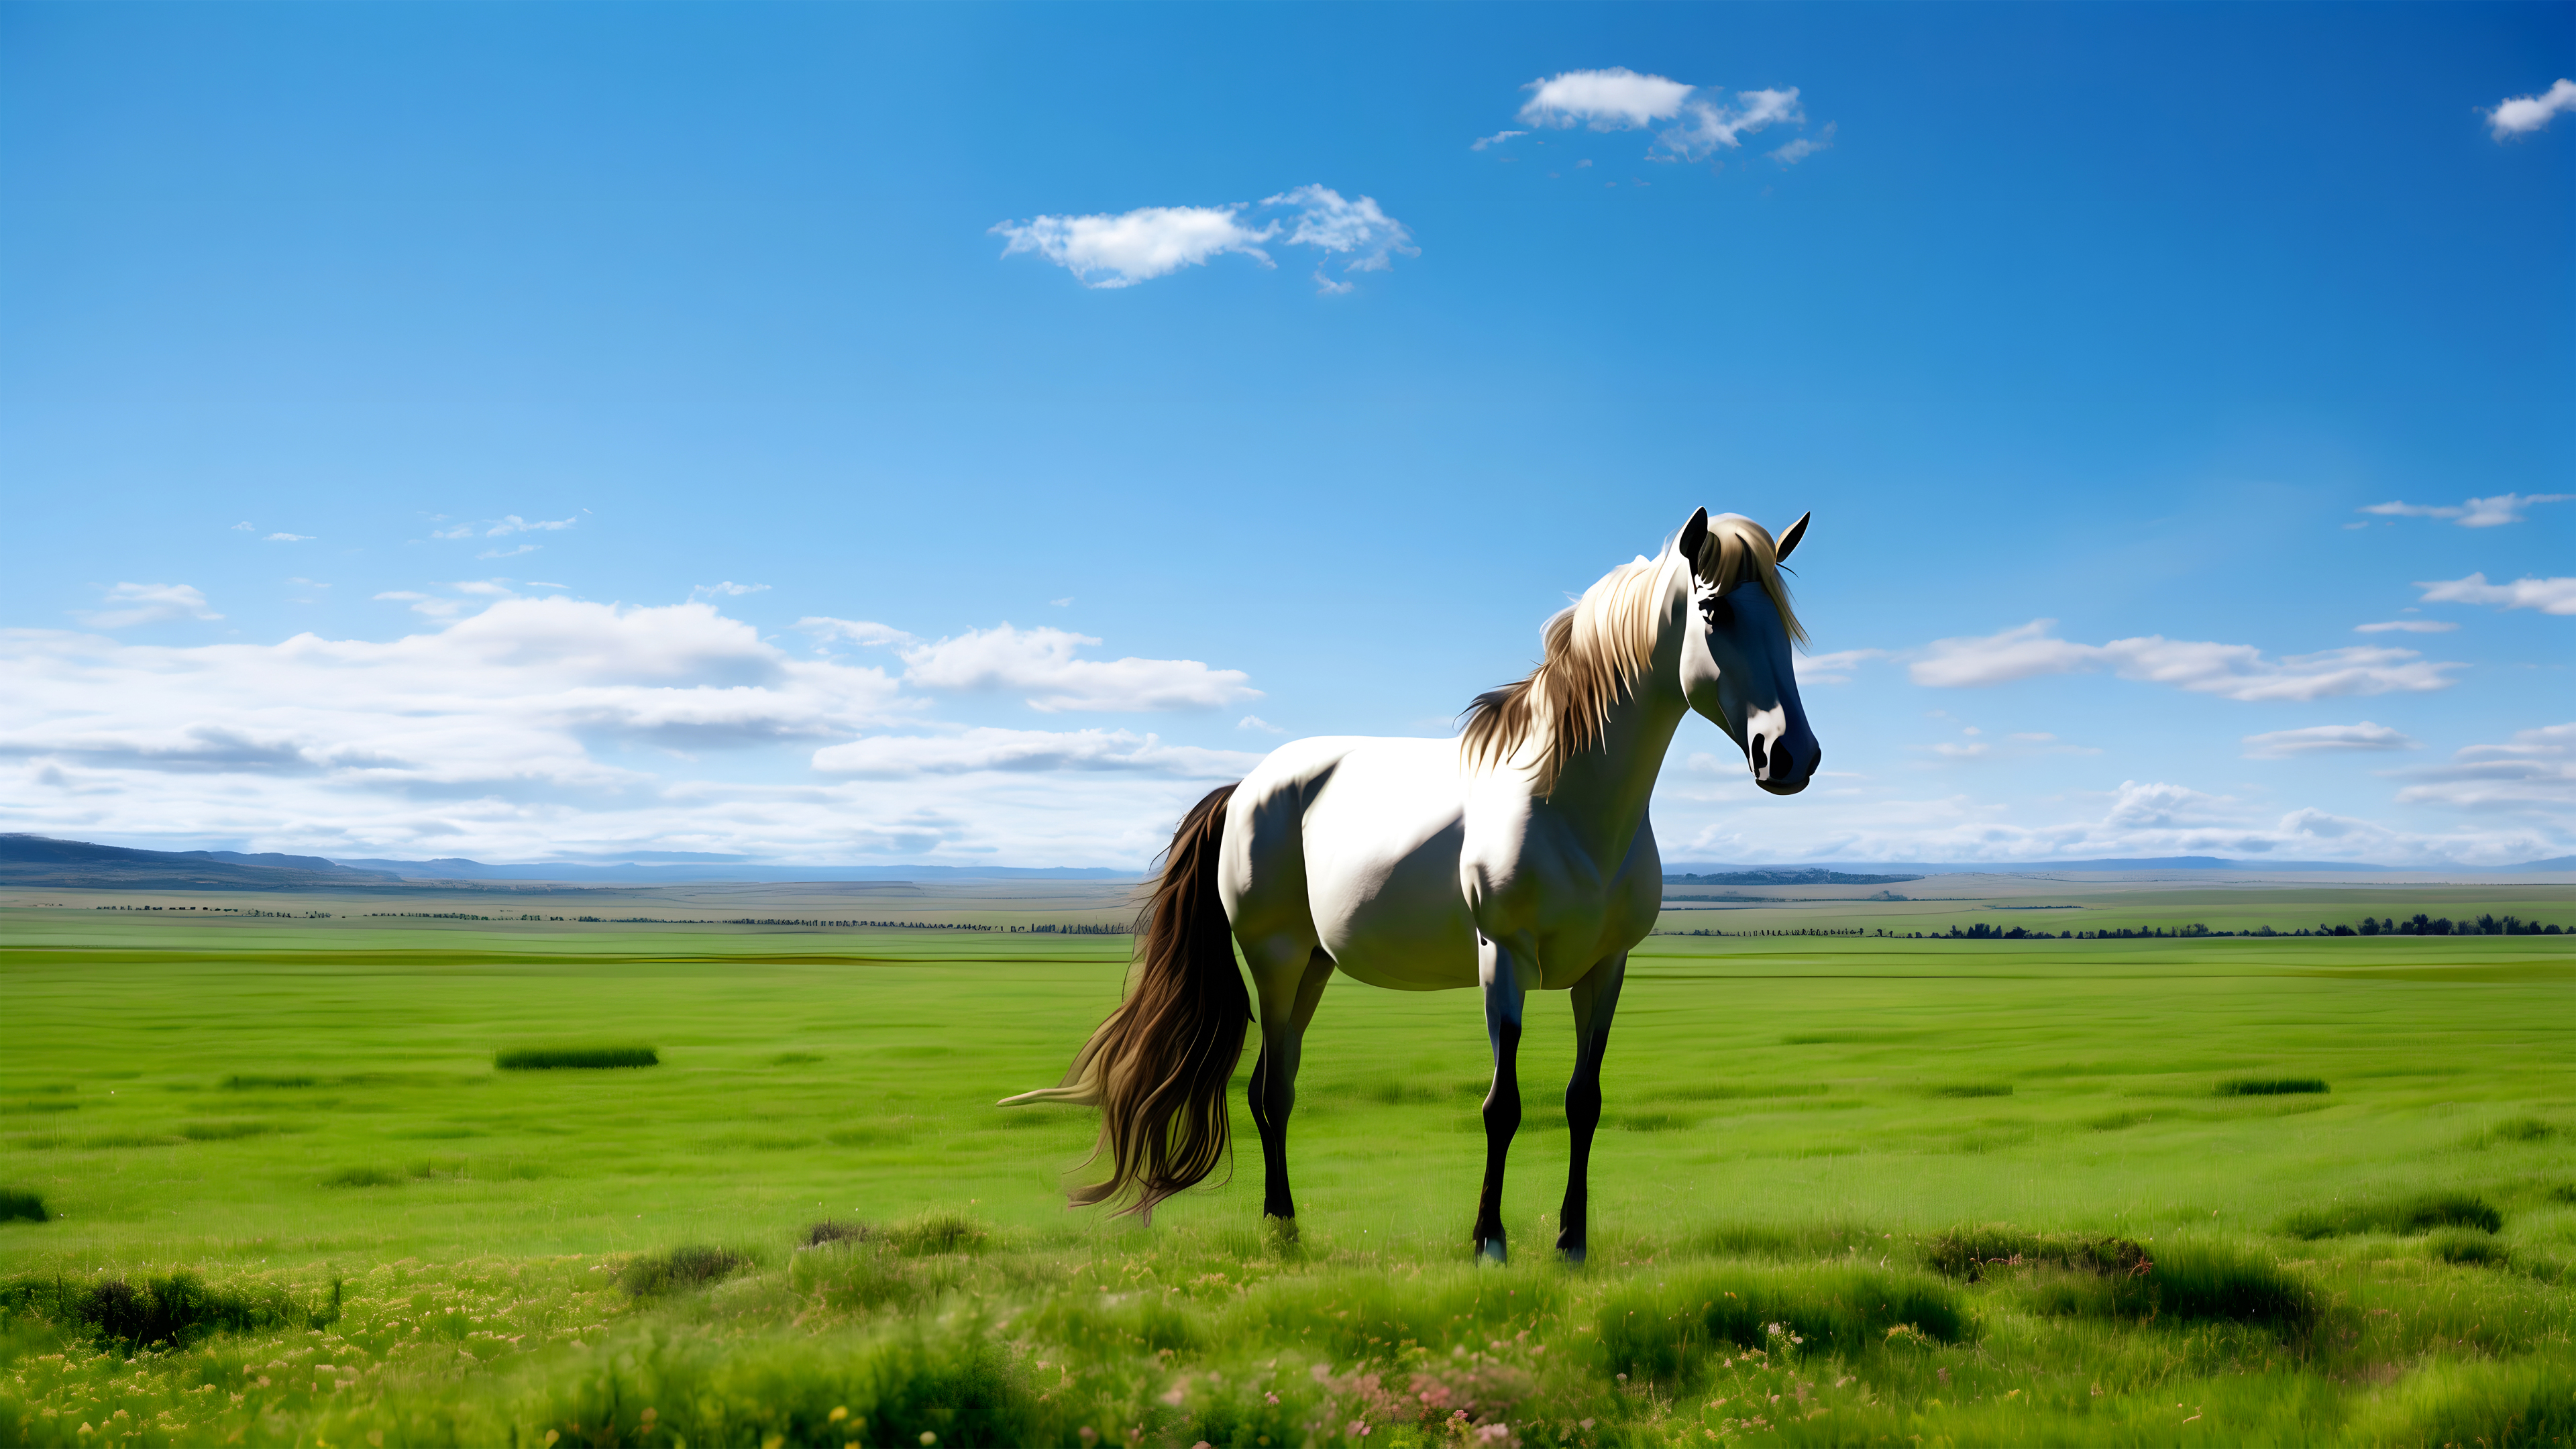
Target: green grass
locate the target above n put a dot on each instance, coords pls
(2272, 1086)
(594, 1058)
(811, 1206)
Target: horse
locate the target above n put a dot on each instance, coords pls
(1512, 858)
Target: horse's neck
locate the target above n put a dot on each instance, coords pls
(1601, 793)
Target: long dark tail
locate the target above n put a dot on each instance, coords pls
(1158, 1067)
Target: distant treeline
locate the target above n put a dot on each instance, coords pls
(1803, 931)
(2420, 925)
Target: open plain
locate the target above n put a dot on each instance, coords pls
(1849, 1189)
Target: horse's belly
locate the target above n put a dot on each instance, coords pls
(1382, 844)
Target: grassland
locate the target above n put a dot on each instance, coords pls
(1905, 1187)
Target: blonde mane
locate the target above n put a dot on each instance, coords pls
(1596, 649)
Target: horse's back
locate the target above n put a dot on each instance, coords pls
(1352, 843)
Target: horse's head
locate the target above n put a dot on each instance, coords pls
(1735, 664)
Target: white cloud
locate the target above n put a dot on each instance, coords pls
(854, 631)
(1804, 147)
(2325, 740)
(127, 605)
(288, 538)
(1496, 139)
(2534, 773)
(1137, 246)
(2232, 671)
(1606, 100)
(1064, 603)
(979, 751)
(515, 524)
(1256, 722)
(2407, 626)
(510, 552)
(726, 590)
(462, 530)
(1156, 241)
(1041, 661)
(2491, 512)
(1836, 667)
(244, 528)
(2549, 596)
(1620, 99)
(1324, 219)
(2523, 115)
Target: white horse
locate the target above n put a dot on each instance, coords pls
(1514, 858)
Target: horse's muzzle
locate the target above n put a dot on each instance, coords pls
(1783, 761)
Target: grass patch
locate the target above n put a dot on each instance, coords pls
(2118, 1121)
(829, 1231)
(675, 1269)
(594, 1058)
(1790, 1242)
(795, 1059)
(1676, 1329)
(252, 1082)
(364, 1177)
(224, 1131)
(2404, 1216)
(1970, 1089)
(2271, 1086)
(40, 1104)
(172, 1309)
(16, 1205)
(939, 1232)
(1735, 1091)
(1972, 1254)
(2455, 1245)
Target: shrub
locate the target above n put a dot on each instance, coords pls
(15, 1204)
(541, 1059)
(2271, 1086)
(1674, 1329)
(2402, 1216)
(674, 1269)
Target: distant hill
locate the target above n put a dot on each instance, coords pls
(1785, 875)
(36, 860)
(456, 868)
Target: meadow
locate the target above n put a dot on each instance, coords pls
(1848, 1190)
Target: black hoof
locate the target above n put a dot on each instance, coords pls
(1492, 1250)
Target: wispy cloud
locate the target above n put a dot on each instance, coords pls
(2549, 596)
(513, 523)
(2523, 115)
(2232, 671)
(1042, 663)
(510, 552)
(2407, 626)
(1111, 251)
(1805, 146)
(2493, 512)
(1701, 122)
(288, 538)
(1259, 725)
(2326, 740)
(128, 605)
(726, 590)
(2534, 772)
(980, 751)
(245, 528)
(1496, 139)
(1835, 667)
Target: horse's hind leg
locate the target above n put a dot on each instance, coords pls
(1596, 997)
(1285, 994)
(1500, 974)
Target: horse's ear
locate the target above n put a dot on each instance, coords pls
(1694, 536)
(1789, 540)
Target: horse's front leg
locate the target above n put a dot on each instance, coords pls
(1596, 997)
(1501, 972)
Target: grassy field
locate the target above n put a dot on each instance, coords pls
(1847, 1191)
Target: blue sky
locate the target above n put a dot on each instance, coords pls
(949, 434)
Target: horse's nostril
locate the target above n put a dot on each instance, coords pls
(1761, 761)
(1783, 764)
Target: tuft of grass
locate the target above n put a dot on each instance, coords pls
(1676, 1329)
(544, 1059)
(1654, 1121)
(795, 1059)
(251, 1082)
(2516, 1129)
(2403, 1216)
(364, 1177)
(1970, 1089)
(674, 1269)
(2271, 1086)
(2118, 1121)
(224, 1131)
(2472, 1249)
(1789, 1242)
(15, 1204)
(1973, 1254)
(2564, 1192)
(2520, 1401)
(828, 1231)
(939, 1232)
(174, 1309)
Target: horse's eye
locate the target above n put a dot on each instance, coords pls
(1721, 614)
